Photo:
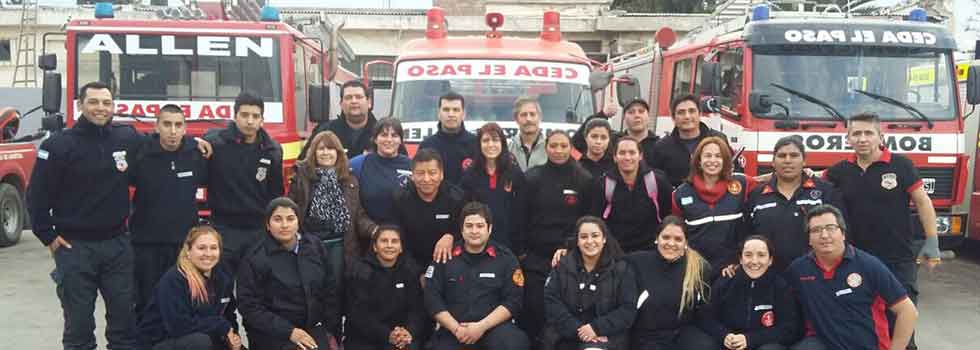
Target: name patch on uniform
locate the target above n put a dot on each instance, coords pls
(429, 271)
(185, 174)
(42, 154)
(809, 202)
(567, 192)
(764, 206)
(687, 200)
(442, 216)
(400, 285)
(592, 287)
(265, 161)
(844, 292)
(763, 307)
(488, 275)
(225, 300)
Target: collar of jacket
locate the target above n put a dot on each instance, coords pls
(89, 128)
(705, 131)
(153, 145)
(262, 138)
(641, 171)
(461, 133)
(371, 121)
(372, 260)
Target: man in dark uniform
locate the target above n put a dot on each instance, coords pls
(427, 210)
(79, 202)
(354, 124)
(878, 186)
(453, 142)
(474, 296)
(244, 174)
(845, 291)
(672, 154)
(166, 175)
(636, 117)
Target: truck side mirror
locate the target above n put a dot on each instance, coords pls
(51, 92)
(9, 123)
(627, 89)
(710, 79)
(759, 103)
(318, 103)
(599, 80)
(47, 62)
(973, 85)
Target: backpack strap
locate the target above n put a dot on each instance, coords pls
(610, 188)
(650, 180)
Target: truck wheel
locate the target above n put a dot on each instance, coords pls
(11, 215)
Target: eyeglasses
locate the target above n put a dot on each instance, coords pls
(831, 228)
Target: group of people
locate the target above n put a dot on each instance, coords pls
(478, 240)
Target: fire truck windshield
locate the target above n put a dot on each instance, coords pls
(490, 88)
(180, 67)
(921, 78)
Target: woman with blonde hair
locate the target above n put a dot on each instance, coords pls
(189, 307)
(673, 283)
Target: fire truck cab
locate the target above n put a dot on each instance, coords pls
(775, 74)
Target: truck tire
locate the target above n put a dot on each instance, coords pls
(11, 215)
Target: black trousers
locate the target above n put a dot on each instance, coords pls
(152, 261)
(688, 337)
(505, 336)
(809, 343)
(89, 268)
(536, 270)
(907, 273)
(236, 243)
(193, 341)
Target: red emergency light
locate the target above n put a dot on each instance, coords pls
(551, 26)
(494, 20)
(436, 26)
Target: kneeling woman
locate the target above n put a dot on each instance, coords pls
(672, 282)
(285, 292)
(385, 307)
(754, 309)
(189, 307)
(590, 298)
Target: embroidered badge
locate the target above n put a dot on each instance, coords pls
(735, 187)
(260, 173)
(815, 194)
(768, 319)
(518, 278)
(466, 163)
(854, 280)
(889, 181)
(571, 199)
(120, 157)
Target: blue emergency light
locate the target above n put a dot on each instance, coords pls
(269, 14)
(760, 12)
(918, 14)
(103, 10)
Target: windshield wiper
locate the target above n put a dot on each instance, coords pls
(826, 106)
(907, 107)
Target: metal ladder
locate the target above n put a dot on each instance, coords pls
(25, 71)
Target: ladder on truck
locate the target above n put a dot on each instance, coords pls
(25, 70)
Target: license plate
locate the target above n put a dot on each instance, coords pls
(929, 185)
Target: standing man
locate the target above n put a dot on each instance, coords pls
(244, 174)
(79, 202)
(166, 175)
(475, 295)
(636, 117)
(672, 153)
(453, 142)
(427, 210)
(354, 124)
(844, 291)
(528, 144)
(877, 187)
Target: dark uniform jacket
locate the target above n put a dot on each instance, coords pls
(279, 290)
(597, 168)
(355, 146)
(714, 217)
(80, 184)
(647, 144)
(763, 310)
(673, 157)
(770, 214)
(555, 197)
(604, 298)
(171, 314)
(660, 283)
(358, 233)
(242, 178)
(470, 286)
(502, 199)
(633, 218)
(424, 223)
(456, 150)
(380, 298)
(164, 203)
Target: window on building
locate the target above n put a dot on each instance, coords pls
(5, 54)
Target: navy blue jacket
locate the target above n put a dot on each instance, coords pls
(381, 298)
(242, 178)
(604, 298)
(634, 217)
(554, 197)
(501, 199)
(380, 178)
(456, 150)
(714, 229)
(171, 313)
(80, 184)
(166, 183)
(671, 155)
(424, 223)
(471, 286)
(763, 310)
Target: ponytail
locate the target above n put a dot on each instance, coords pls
(195, 279)
(694, 288)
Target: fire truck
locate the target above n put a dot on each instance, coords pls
(491, 72)
(772, 74)
(16, 162)
(201, 66)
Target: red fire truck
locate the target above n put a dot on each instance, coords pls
(202, 65)
(803, 73)
(491, 72)
(16, 162)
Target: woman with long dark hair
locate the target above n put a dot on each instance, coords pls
(382, 172)
(495, 179)
(590, 298)
(189, 308)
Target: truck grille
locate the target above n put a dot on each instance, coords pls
(938, 182)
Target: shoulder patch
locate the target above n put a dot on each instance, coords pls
(430, 271)
(518, 277)
(735, 187)
(42, 154)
